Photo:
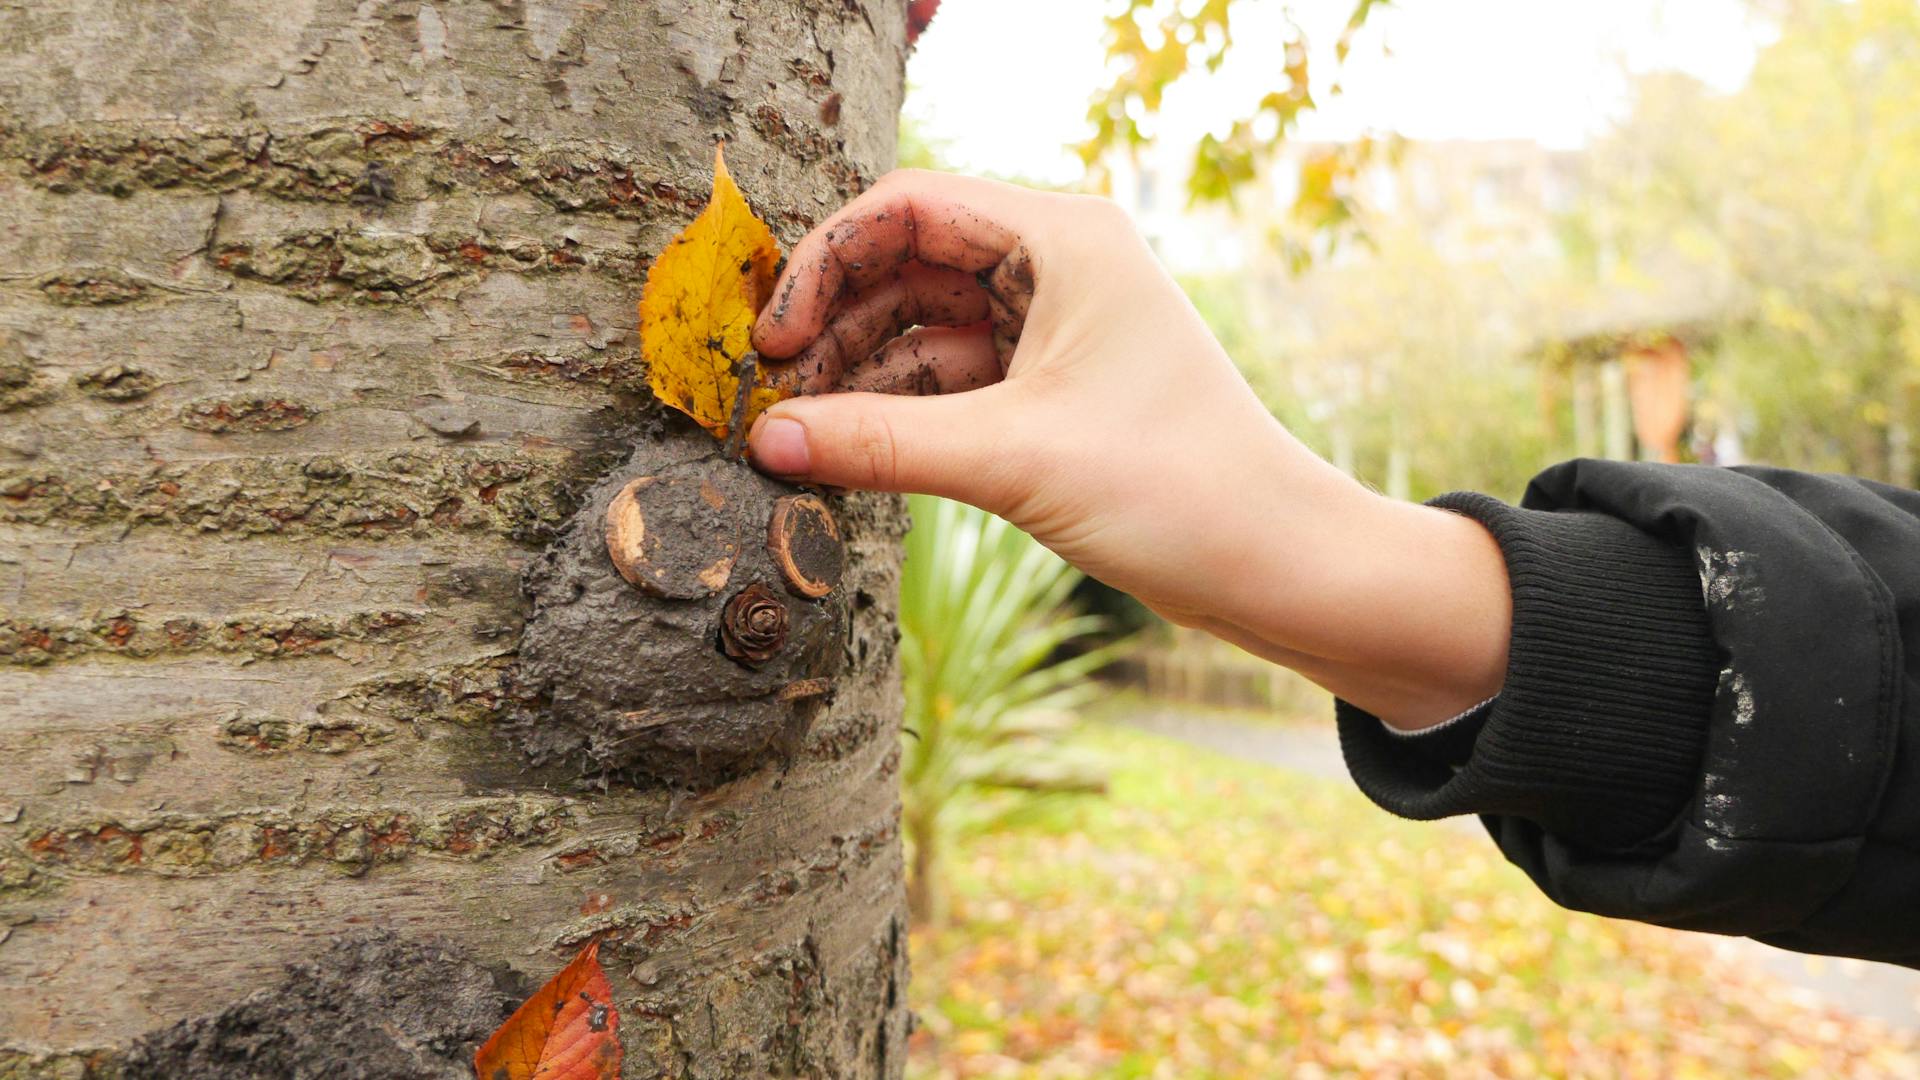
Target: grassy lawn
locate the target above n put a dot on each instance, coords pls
(1214, 918)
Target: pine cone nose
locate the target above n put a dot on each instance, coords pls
(753, 625)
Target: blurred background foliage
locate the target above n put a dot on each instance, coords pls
(992, 683)
(1153, 45)
(1463, 325)
(1221, 918)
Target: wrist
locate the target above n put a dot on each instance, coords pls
(1402, 609)
(1447, 618)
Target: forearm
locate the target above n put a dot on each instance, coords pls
(1401, 609)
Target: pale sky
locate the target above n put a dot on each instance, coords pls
(1004, 84)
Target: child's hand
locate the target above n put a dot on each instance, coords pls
(1033, 358)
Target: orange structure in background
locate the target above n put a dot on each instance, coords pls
(1659, 391)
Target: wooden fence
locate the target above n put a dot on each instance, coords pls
(1191, 667)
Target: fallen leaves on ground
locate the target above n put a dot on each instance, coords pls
(568, 1030)
(1216, 918)
(696, 313)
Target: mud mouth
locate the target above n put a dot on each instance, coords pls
(407, 1009)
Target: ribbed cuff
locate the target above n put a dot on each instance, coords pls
(1449, 742)
(1598, 732)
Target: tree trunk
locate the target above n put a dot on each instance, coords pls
(1586, 410)
(1616, 413)
(316, 322)
(926, 892)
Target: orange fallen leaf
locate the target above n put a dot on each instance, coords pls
(919, 15)
(697, 312)
(568, 1030)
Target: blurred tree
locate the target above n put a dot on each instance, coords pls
(1422, 366)
(1405, 363)
(1803, 188)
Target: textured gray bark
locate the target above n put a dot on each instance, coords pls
(316, 321)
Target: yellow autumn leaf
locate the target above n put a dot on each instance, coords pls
(697, 312)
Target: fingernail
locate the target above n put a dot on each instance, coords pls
(779, 445)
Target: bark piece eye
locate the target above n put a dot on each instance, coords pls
(674, 535)
(805, 544)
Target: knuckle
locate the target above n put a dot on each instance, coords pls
(1101, 210)
(873, 456)
(1025, 453)
(1085, 225)
(894, 178)
(1004, 490)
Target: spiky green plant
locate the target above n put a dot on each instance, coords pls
(983, 613)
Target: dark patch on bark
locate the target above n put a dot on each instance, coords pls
(376, 186)
(317, 265)
(711, 104)
(91, 287)
(21, 384)
(805, 142)
(638, 686)
(257, 413)
(372, 1007)
(116, 382)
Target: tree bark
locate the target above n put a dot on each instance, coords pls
(316, 322)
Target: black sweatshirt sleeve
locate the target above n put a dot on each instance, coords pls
(1706, 721)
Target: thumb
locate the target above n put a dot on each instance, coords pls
(952, 445)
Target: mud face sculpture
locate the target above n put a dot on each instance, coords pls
(686, 626)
